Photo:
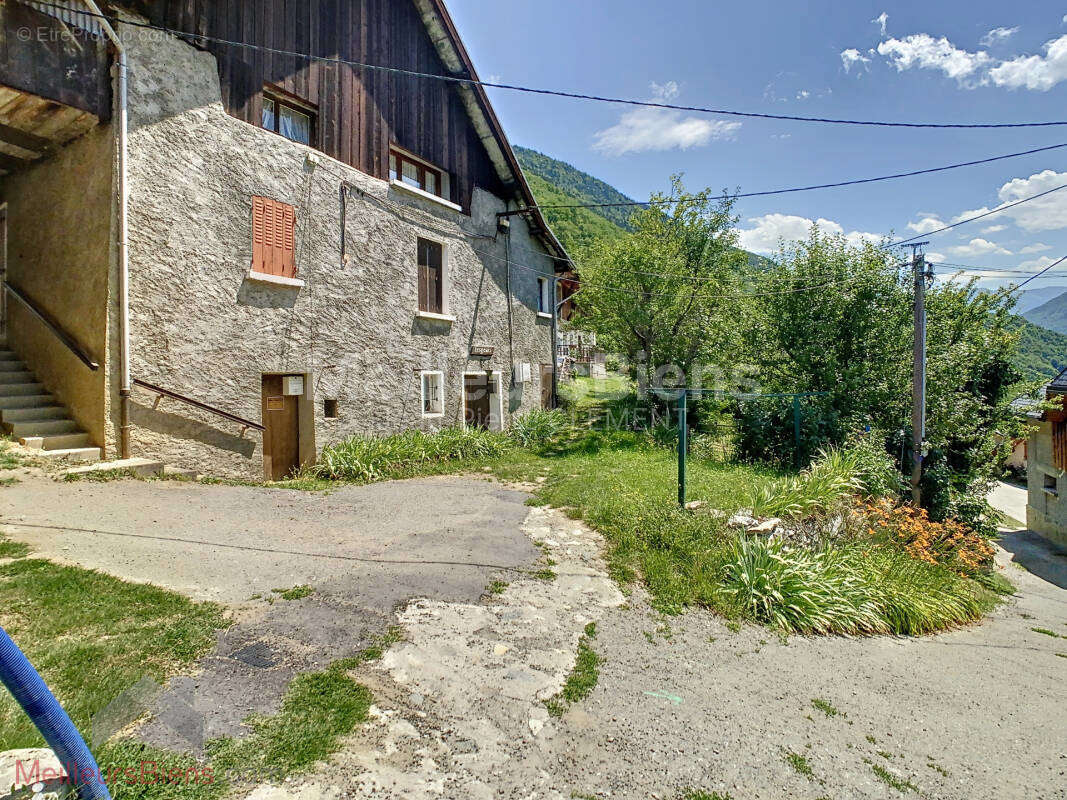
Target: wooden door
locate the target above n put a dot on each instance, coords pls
(281, 439)
(476, 391)
(546, 387)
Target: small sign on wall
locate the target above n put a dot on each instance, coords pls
(275, 404)
(293, 385)
(522, 373)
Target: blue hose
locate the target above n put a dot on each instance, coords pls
(30, 692)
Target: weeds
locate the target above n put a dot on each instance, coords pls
(496, 587)
(582, 679)
(538, 428)
(296, 593)
(365, 459)
(892, 781)
(825, 707)
(1047, 632)
(799, 764)
(10, 549)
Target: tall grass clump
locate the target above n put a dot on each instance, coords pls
(851, 590)
(834, 478)
(538, 428)
(364, 459)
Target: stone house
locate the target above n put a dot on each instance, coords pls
(1046, 507)
(228, 257)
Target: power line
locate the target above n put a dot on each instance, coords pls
(568, 94)
(1035, 277)
(969, 268)
(839, 184)
(977, 217)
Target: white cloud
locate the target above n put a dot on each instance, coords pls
(1038, 263)
(1037, 73)
(1047, 213)
(925, 52)
(853, 57)
(979, 247)
(998, 35)
(974, 212)
(935, 257)
(1039, 247)
(926, 224)
(994, 229)
(644, 129)
(880, 21)
(769, 229)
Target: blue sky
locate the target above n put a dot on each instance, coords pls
(951, 60)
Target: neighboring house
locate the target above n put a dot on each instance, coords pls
(313, 248)
(1046, 509)
(578, 354)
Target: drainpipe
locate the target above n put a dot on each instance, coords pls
(121, 99)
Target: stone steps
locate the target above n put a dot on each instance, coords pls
(32, 415)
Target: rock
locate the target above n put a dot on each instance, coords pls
(767, 526)
(694, 505)
(29, 767)
(742, 519)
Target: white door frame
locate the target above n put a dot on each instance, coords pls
(496, 400)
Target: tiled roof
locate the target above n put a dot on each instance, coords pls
(1059, 383)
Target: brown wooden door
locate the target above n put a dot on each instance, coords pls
(478, 398)
(546, 387)
(281, 439)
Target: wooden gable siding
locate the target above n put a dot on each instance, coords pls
(360, 112)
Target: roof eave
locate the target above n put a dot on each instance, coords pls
(457, 61)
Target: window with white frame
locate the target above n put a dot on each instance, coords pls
(544, 296)
(433, 394)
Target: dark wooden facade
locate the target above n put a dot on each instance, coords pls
(53, 62)
(360, 113)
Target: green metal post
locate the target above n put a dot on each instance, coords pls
(796, 429)
(682, 446)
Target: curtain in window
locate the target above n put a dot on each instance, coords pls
(295, 126)
(268, 114)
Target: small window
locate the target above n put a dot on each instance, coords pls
(287, 119)
(544, 298)
(1050, 484)
(433, 394)
(329, 408)
(431, 277)
(411, 171)
(273, 237)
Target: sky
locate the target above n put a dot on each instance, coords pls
(945, 61)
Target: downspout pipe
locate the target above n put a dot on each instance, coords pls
(122, 169)
(41, 706)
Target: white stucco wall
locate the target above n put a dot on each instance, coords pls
(201, 328)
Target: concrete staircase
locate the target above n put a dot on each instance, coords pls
(34, 417)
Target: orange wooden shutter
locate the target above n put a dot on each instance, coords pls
(273, 237)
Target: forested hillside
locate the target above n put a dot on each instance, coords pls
(1051, 315)
(1042, 353)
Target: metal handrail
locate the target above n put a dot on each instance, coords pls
(57, 330)
(197, 404)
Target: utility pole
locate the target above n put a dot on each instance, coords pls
(918, 412)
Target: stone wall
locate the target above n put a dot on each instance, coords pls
(1046, 512)
(200, 327)
(59, 217)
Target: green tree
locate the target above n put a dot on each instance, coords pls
(666, 294)
(836, 318)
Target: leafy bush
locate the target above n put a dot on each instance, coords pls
(612, 363)
(950, 544)
(364, 459)
(538, 428)
(847, 590)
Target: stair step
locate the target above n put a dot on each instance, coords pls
(25, 401)
(22, 376)
(73, 454)
(21, 389)
(59, 441)
(14, 365)
(33, 412)
(141, 467)
(8, 355)
(41, 427)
